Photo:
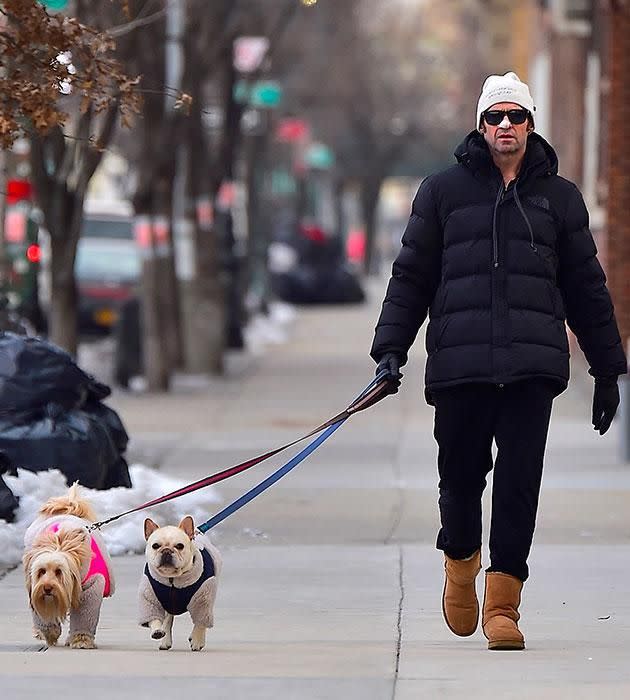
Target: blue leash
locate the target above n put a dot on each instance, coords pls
(270, 480)
(286, 468)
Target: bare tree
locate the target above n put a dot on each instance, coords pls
(43, 58)
(379, 83)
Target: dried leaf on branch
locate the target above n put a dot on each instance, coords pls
(45, 56)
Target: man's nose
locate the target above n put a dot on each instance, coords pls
(505, 124)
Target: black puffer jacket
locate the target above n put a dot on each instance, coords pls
(499, 271)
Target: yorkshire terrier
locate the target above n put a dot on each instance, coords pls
(68, 571)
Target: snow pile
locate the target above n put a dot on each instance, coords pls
(124, 536)
(272, 329)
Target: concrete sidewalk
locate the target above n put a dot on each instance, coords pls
(331, 585)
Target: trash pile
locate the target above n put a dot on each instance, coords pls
(310, 267)
(52, 417)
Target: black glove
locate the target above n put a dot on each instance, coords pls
(605, 402)
(390, 363)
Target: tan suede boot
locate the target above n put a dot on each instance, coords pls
(500, 611)
(459, 599)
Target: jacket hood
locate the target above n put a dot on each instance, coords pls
(540, 157)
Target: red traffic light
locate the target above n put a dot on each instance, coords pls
(18, 190)
(33, 253)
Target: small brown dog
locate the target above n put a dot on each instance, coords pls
(180, 576)
(67, 571)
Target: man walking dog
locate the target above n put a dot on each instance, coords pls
(498, 252)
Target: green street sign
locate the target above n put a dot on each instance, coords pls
(319, 156)
(265, 93)
(54, 4)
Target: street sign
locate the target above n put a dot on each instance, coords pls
(54, 4)
(265, 93)
(249, 52)
(319, 156)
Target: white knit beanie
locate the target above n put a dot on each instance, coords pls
(504, 88)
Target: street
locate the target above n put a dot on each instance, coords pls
(331, 586)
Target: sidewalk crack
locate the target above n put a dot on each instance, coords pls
(401, 601)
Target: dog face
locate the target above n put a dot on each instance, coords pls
(52, 569)
(170, 549)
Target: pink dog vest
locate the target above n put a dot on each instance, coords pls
(97, 565)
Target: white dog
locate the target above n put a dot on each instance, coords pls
(180, 576)
(67, 571)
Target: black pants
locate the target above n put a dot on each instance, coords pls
(467, 419)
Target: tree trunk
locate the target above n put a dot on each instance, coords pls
(155, 357)
(206, 318)
(64, 226)
(168, 289)
(370, 193)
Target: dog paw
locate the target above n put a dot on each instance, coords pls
(50, 634)
(158, 634)
(165, 646)
(196, 645)
(82, 641)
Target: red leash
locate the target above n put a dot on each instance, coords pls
(367, 398)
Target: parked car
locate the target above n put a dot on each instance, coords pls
(107, 272)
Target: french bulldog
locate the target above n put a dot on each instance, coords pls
(181, 574)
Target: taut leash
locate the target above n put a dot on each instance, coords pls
(374, 392)
(364, 400)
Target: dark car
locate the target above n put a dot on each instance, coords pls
(107, 271)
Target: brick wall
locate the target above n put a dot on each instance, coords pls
(618, 226)
(568, 79)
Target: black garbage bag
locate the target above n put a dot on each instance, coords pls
(74, 442)
(8, 501)
(309, 284)
(111, 421)
(51, 415)
(34, 372)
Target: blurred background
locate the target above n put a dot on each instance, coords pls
(172, 168)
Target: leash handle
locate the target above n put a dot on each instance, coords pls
(373, 392)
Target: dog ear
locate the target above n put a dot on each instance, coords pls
(26, 562)
(188, 526)
(77, 587)
(149, 528)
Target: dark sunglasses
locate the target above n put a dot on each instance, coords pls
(494, 117)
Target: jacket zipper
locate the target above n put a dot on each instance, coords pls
(495, 236)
